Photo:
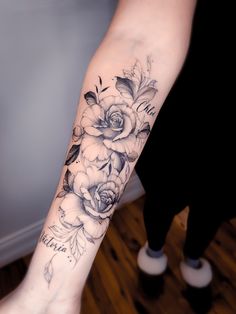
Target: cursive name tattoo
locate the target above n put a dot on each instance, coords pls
(147, 108)
(50, 242)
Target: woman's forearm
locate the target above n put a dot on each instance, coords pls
(125, 85)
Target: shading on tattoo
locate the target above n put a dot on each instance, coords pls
(48, 270)
(111, 133)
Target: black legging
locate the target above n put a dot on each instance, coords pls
(189, 158)
(159, 213)
(172, 182)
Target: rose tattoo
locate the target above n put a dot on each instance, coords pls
(109, 137)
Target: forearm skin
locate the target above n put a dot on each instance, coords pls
(124, 88)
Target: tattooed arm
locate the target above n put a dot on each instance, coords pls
(126, 83)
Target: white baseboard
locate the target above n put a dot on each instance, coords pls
(23, 241)
(19, 243)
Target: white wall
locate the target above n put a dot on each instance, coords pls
(45, 47)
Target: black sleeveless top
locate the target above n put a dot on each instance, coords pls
(193, 138)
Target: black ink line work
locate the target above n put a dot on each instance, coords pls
(110, 135)
(48, 270)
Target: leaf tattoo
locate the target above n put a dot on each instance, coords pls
(146, 93)
(73, 235)
(104, 165)
(77, 133)
(125, 86)
(145, 131)
(62, 193)
(67, 184)
(48, 270)
(68, 181)
(100, 80)
(136, 85)
(73, 154)
(90, 98)
(104, 89)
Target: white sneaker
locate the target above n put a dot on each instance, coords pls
(197, 277)
(151, 265)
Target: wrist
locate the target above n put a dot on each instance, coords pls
(28, 299)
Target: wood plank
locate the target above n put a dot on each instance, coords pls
(89, 304)
(115, 285)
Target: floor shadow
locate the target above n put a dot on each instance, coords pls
(151, 286)
(200, 300)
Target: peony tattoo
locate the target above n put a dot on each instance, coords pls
(107, 140)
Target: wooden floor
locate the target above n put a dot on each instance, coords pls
(115, 285)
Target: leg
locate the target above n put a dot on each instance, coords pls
(169, 193)
(158, 215)
(201, 229)
(164, 199)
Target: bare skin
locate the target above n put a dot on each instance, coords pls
(124, 88)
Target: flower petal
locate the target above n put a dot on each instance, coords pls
(107, 185)
(84, 181)
(126, 110)
(94, 213)
(72, 209)
(124, 145)
(70, 201)
(96, 176)
(81, 180)
(127, 128)
(114, 108)
(96, 229)
(77, 244)
(86, 194)
(93, 147)
(92, 131)
(108, 101)
(92, 115)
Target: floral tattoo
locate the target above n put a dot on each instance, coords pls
(108, 139)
